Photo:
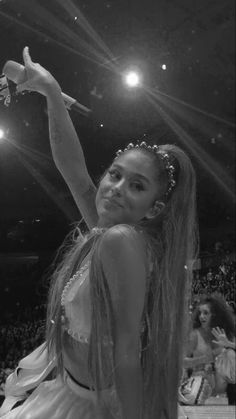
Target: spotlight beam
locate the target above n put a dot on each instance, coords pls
(195, 108)
(203, 158)
(46, 185)
(101, 60)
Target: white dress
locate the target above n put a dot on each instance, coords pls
(59, 398)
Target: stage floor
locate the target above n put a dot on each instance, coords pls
(215, 408)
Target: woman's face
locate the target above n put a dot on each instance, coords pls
(205, 315)
(128, 191)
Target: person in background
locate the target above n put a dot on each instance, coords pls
(210, 317)
(118, 299)
(222, 341)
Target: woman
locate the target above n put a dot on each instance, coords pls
(210, 316)
(228, 351)
(117, 302)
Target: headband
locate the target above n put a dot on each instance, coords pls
(164, 156)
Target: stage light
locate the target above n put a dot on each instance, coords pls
(1, 134)
(132, 79)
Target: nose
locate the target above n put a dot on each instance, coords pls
(118, 188)
(115, 191)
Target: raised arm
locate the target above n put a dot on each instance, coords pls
(124, 268)
(66, 148)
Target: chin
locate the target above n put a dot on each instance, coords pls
(105, 221)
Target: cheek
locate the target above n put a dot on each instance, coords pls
(98, 195)
(101, 188)
(104, 185)
(144, 201)
(139, 206)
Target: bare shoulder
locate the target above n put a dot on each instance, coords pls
(121, 239)
(120, 230)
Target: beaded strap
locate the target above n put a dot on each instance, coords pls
(64, 294)
(74, 278)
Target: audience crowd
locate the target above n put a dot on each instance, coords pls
(22, 324)
(220, 279)
(20, 337)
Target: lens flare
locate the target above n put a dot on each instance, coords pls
(132, 79)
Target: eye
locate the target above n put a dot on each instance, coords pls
(114, 174)
(138, 186)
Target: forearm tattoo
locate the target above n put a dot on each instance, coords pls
(55, 133)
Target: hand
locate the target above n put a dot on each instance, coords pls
(38, 78)
(221, 338)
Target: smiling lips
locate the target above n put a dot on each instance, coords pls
(112, 201)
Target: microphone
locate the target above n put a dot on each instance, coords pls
(17, 73)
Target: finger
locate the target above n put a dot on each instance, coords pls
(26, 57)
(22, 87)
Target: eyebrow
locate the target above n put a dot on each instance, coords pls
(134, 174)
